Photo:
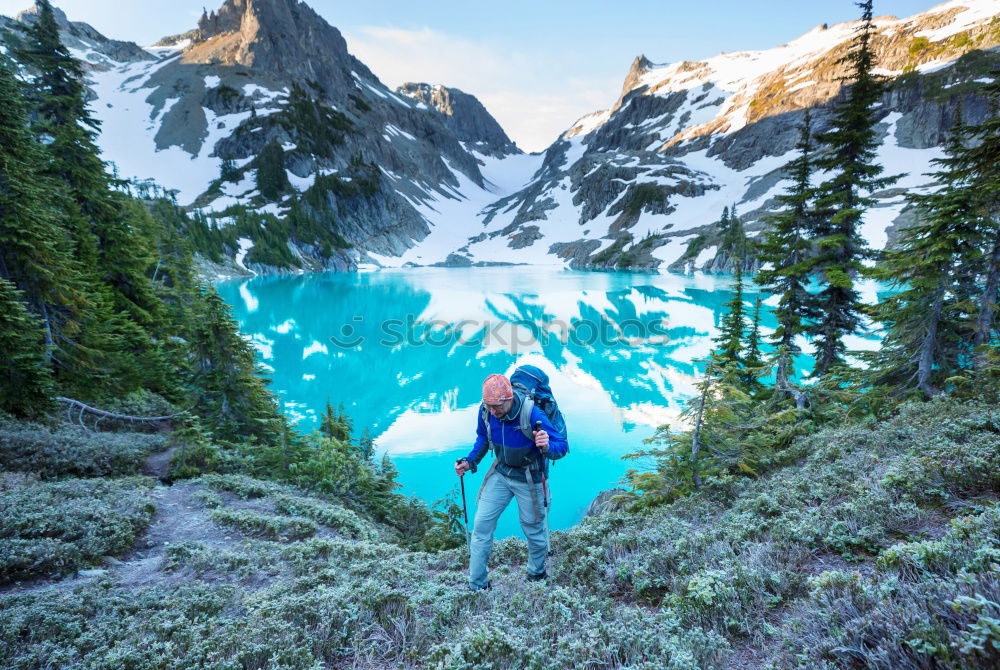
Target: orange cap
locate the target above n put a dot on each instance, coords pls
(497, 389)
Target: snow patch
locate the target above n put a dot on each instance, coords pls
(971, 12)
(705, 255)
(245, 246)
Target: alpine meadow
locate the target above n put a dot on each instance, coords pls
(300, 369)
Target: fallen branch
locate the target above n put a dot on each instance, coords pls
(104, 414)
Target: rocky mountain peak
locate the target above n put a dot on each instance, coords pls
(96, 51)
(465, 116)
(640, 66)
(283, 37)
(29, 16)
(249, 17)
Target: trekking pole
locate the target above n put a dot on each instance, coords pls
(545, 500)
(465, 513)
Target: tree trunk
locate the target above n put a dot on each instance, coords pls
(696, 436)
(781, 374)
(50, 345)
(925, 364)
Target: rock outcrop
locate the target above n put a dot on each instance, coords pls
(95, 51)
(465, 116)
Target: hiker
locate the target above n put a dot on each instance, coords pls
(519, 469)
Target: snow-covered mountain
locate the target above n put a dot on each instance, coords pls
(638, 183)
(425, 175)
(261, 83)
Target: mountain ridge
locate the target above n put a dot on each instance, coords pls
(638, 172)
(639, 184)
(465, 116)
(197, 113)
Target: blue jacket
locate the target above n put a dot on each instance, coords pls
(506, 432)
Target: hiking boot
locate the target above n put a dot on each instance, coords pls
(539, 577)
(488, 587)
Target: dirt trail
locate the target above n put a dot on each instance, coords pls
(179, 518)
(158, 464)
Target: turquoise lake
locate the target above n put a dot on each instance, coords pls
(406, 351)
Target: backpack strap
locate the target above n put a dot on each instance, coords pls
(485, 415)
(527, 404)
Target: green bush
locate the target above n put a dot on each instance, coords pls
(196, 453)
(557, 628)
(139, 403)
(265, 525)
(52, 528)
(241, 485)
(608, 255)
(334, 516)
(72, 451)
(253, 560)
(918, 44)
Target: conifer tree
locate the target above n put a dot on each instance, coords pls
(753, 360)
(734, 243)
(366, 445)
(926, 335)
(272, 180)
(784, 256)
(30, 253)
(102, 226)
(719, 417)
(336, 424)
(851, 145)
(729, 341)
(724, 222)
(26, 387)
(977, 164)
(233, 394)
(35, 251)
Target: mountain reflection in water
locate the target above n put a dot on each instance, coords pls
(406, 352)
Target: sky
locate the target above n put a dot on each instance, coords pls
(537, 65)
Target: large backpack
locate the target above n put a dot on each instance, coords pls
(533, 386)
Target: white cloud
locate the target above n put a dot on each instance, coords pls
(533, 97)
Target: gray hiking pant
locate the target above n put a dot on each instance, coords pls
(494, 496)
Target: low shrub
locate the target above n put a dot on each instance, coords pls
(73, 451)
(265, 525)
(833, 559)
(52, 528)
(252, 560)
(333, 516)
(242, 486)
